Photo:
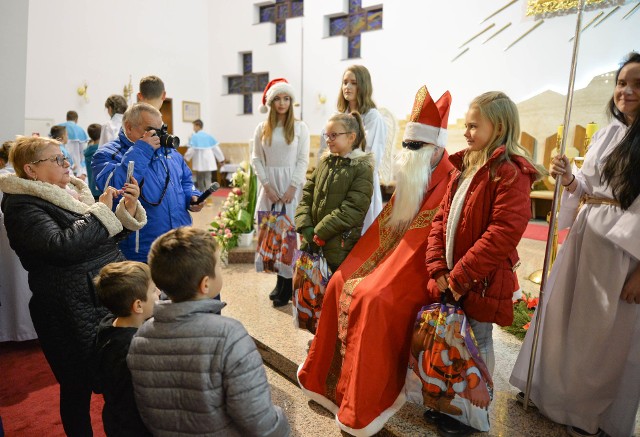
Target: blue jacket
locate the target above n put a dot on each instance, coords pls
(151, 169)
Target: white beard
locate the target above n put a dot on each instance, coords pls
(412, 170)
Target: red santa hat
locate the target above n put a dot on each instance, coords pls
(429, 119)
(273, 88)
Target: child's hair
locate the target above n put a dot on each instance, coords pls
(180, 258)
(365, 90)
(620, 170)
(500, 110)
(57, 132)
(272, 123)
(116, 103)
(72, 116)
(151, 87)
(4, 150)
(352, 122)
(198, 123)
(120, 284)
(94, 131)
(26, 150)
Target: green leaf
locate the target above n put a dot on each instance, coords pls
(244, 221)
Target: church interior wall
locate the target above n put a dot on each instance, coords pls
(194, 45)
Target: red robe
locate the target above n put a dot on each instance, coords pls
(357, 363)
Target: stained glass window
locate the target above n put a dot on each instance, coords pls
(278, 13)
(354, 23)
(248, 83)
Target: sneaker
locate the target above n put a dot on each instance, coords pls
(577, 432)
(520, 400)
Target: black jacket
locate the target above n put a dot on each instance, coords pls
(120, 414)
(63, 243)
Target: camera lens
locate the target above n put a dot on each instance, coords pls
(168, 140)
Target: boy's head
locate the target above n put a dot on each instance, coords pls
(94, 131)
(72, 116)
(152, 91)
(198, 125)
(125, 288)
(59, 133)
(184, 264)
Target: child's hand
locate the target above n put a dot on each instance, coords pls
(307, 234)
(288, 196)
(131, 192)
(560, 166)
(271, 193)
(443, 282)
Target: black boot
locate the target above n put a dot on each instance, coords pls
(285, 294)
(277, 289)
(449, 427)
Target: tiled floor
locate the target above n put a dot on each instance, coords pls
(283, 347)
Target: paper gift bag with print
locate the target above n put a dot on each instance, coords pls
(447, 373)
(310, 277)
(277, 241)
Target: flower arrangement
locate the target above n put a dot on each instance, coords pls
(236, 216)
(523, 309)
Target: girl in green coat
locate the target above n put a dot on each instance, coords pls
(337, 195)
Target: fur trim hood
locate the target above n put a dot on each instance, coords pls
(356, 156)
(85, 204)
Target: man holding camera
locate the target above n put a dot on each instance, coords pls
(166, 185)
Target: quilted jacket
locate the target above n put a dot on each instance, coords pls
(197, 373)
(335, 201)
(494, 216)
(63, 243)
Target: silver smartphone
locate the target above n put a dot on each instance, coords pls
(130, 171)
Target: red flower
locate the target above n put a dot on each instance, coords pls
(526, 327)
(532, 303)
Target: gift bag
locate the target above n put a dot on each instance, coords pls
(277, 241)
(310, 277)
(446, 372)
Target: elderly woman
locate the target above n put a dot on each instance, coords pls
(63, 238)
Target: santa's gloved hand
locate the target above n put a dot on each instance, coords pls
(307, 234)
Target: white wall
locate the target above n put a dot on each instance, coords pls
(102, 43)
(13, 53)
(415, 47)
(193, 44)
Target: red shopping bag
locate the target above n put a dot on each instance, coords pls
(277, 241)
(448, 375)
(310, 278)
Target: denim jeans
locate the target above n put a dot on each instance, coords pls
(483, 333)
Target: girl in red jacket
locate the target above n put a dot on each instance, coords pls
(472, 245)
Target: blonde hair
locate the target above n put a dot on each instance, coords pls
(180, 258)
(272, 123)
(365, 90)
(500, 110)
(25, 150)
(352, 122)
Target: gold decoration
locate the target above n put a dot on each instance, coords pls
(421, 95)
(82, 92)
(499, 10)
(563, 7)
(127, 91)
(534, 27)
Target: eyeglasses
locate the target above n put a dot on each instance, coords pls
(58, 159)
(413, 145)
(333, 135)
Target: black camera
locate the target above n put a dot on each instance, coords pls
(166, 139)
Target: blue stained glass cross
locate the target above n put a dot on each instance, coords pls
(279, 12)
(247, 83)
(352, 24)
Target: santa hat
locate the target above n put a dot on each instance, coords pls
(273, 88)
(428, 120)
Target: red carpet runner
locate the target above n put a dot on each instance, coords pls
(538, 231)
(29, 394)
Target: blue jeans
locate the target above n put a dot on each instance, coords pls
(483, 333)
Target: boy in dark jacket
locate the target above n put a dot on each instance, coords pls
(196, 372)
(127, 290)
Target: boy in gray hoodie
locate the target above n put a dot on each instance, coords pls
(195, 372)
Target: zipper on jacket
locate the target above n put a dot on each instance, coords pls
(345, 235)
(485, 281)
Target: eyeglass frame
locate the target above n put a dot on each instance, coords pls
(333, 135)
(58, 159)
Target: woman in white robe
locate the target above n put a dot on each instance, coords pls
(586, 373)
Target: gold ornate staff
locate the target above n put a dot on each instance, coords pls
(554, 207)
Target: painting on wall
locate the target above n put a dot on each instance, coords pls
(190, 111)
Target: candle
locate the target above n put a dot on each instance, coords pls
(591, 129)
(560, 130)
